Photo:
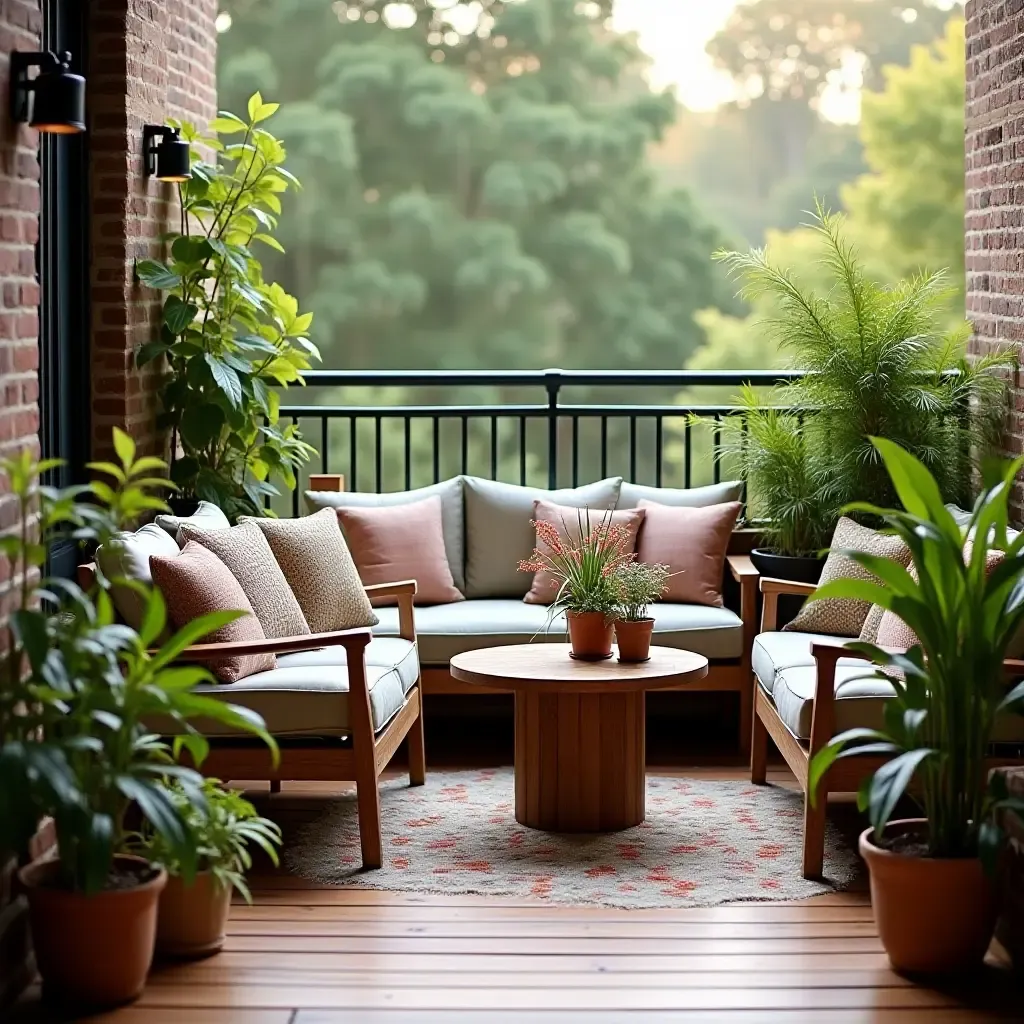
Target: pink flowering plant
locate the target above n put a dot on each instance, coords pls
(583, 570)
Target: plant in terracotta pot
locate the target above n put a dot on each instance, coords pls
(194, 911)
(582, 571)
(637, 586)
(77, 690)
(933, 898)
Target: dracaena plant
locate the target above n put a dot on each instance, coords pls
(78, 688)
(230, 338)
(965, 603)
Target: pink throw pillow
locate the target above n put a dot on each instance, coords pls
(567, 521)
(401, 542)
(196, 581)
(693, 543)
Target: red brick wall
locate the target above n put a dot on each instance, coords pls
(149, 61)
(995, 188)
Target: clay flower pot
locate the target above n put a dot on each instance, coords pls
(192, 918)
(590, 634)
(634, 639)
(934, 915)
(93, 951)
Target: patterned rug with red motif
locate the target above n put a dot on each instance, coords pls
(704, 842)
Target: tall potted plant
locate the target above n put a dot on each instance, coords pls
(230, 338)
(78, 689)
(582, 571)
(934, 902)
(879, 362)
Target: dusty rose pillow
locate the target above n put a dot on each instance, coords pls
(401, 542)
(693, 543)
(196, 581)
(567, 521)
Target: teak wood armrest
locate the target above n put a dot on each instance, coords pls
(743, 571)
(405, 591)
(742, 568)
(771, 589)
(353, 640)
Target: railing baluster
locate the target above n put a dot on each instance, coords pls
(575, 451)
(407, 440)
(465, 445)
(295, 489)
(437, 448)
(353, 453)
(522, 450)
(632, 449)
(716, 460)
(604, 447)
(494, 447)
(659, 442)
(378, 454)
(325, 438)
(688, 454)
(553, 385)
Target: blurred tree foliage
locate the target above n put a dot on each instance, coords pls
(476, 186)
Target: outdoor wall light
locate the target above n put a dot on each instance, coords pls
(166, 155)
(53, 101)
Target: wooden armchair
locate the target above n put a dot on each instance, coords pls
(844, 776)
(360, 750)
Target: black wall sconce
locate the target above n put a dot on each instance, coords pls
(165, 154)
(57, 103)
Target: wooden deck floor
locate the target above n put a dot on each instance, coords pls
(313, 955)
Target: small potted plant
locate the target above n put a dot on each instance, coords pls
(194, 911)
(637, 585)
(932, 877)
(77, 692)
(583, 570)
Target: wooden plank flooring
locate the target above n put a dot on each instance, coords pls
(305, 954)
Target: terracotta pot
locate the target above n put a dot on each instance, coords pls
(96, 950)
(934, 915)
(192, 917)
(590, 634)
(634, 639)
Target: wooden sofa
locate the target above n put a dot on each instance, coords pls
(337, 727)
(818, 704)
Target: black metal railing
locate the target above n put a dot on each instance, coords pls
(394, 430)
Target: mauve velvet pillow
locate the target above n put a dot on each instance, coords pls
(568, 522)
(693, 543)
(196, 581)
(401, 542)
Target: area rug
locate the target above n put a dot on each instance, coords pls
(703, 843)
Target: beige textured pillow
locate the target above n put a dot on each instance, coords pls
(196, 581)
(567, 522)
(318, 566)
(126, 556)
(245, 551)
(843, 616)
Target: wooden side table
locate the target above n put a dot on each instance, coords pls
(580, 736)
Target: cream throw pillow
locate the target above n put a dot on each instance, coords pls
(245, 551)
(318, 566)
(843, 616)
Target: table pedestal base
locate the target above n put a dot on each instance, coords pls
(580, 761)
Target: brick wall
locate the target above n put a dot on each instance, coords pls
(995, 189)
(149, 61)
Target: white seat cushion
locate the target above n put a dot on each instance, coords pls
(445, 630)
(307, 694)
(774, 652)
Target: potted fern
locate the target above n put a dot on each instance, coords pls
(933, 898)
(194, 910)
(879, 362)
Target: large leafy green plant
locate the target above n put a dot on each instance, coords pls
(879, 363)
(230, 338)
(78, 687)
(951, 686)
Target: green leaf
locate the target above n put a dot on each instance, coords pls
(890, 782)
(268, 240)
(150, 351)
(265, 110)
(255, 102)
(227, 125)
(124, 446)
(201, 424)
(157, 275)
(178, 315)
(226, 379)
(155, 619)
(191, 249)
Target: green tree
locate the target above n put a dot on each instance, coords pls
(477, 190)
(911, 204)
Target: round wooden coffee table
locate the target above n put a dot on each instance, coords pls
(579, 729)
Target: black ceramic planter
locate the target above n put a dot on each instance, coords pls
(799, 568)
(183, 507)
